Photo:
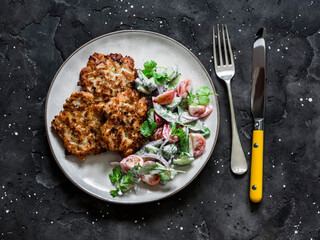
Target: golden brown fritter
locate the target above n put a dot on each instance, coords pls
(125, 114)
(78, 125)
(107, 75)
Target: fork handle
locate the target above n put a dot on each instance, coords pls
(238, 160)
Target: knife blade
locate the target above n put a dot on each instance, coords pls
(258, 112)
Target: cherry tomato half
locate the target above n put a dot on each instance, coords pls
(166, 97)
(150, 179)
(183, 88)
(129, 162)
(208, 110)
(157, 134)
(158, 119)
(167, 133)
(196, 111)
(198, 144)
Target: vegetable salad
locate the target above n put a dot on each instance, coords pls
(174, 128)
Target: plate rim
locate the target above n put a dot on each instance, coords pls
(119, 32)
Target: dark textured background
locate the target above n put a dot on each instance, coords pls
(39, 202)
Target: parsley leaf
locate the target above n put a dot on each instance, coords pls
(202, 95)
(183, 139)
(147, 128)
(114, 193)
(160, 77)
(149, 65)
(116, 175)
(203, 91)
(122, 182)
(203, 100)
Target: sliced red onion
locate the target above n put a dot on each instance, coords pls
(161, 89)
(154, 143)
(190, 118)
(157, 157)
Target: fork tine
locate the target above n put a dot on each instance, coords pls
(214, 48)
(224, 45)
(229, 46)
(219, 45)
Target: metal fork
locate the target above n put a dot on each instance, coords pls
(225, 71)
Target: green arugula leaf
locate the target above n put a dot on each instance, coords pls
(149, 65)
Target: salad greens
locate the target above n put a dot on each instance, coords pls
(174, 124)
(202, 95)
(122, 182)
(149, 125)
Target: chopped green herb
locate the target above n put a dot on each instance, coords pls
(202, 95)
(149, 65)
(116, 175)
(122, 182)
(147, 128)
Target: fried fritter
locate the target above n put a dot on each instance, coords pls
(107, 75)
(125, 114)
(78, 125)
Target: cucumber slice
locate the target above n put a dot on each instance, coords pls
(142, 89)
(152, 149)
(175, 103)
(169, 150)
(184, 159)
(176, 81)
(190, 147)
(165, 113)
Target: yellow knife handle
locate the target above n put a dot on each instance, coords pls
(256, 177)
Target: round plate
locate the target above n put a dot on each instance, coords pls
(92, 175)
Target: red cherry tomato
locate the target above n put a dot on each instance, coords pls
(129, 162)
(157, 134)
(209, 109)
(158, 119)
(198, 144)
(183, 88)
(150, 179)
(166, 97)
(196, 111)
(167, 133)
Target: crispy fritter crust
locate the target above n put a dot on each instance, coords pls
(78, 125)
(125, 114)
(107, 75)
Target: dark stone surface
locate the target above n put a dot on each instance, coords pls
(39, 202)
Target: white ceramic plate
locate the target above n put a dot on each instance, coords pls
(91, 175)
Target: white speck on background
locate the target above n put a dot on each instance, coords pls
(181, 228)
(279, 140)
(284, 186)
(7, 211)
(15, 133)
(310, 99)
(278, 50)
(301, 99)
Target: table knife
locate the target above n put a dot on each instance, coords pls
(258, 112)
